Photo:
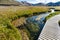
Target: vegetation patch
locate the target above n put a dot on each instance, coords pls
(8, 31)
(51, 15)
(8, 14)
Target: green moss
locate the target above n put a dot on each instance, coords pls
(51, 15)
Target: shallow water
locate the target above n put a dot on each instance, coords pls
(39, 20)
(36, 22)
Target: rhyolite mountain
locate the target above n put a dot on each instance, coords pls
(48, 4)
(24, 3)
(9, 2)
(14, 2)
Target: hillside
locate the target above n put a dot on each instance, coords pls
(48, 4)
(53, 4)
(9, 2)
(13, 2)
(25, 3)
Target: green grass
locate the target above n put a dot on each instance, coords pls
(51, 15)
(9, 14)
(9, 32)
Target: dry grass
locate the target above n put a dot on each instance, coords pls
(11, 13)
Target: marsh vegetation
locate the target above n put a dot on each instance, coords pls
(15, 26)
(8, 14)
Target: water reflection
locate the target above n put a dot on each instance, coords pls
(52, 10)
(38, 20)
(35, 24)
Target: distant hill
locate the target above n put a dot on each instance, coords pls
(9, 2)
(13, 2)
(39, 4)
(48, 4)
(53, 4)
(24, 3)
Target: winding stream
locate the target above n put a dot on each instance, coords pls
(38, 22)
(39, 19)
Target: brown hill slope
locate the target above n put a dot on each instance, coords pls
(9, 2)
(13, 2)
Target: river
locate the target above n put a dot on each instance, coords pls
(37, 22)
(39, 19)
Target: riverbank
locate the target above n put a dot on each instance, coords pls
(9, 14)
(32, 25)
(51, 15)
